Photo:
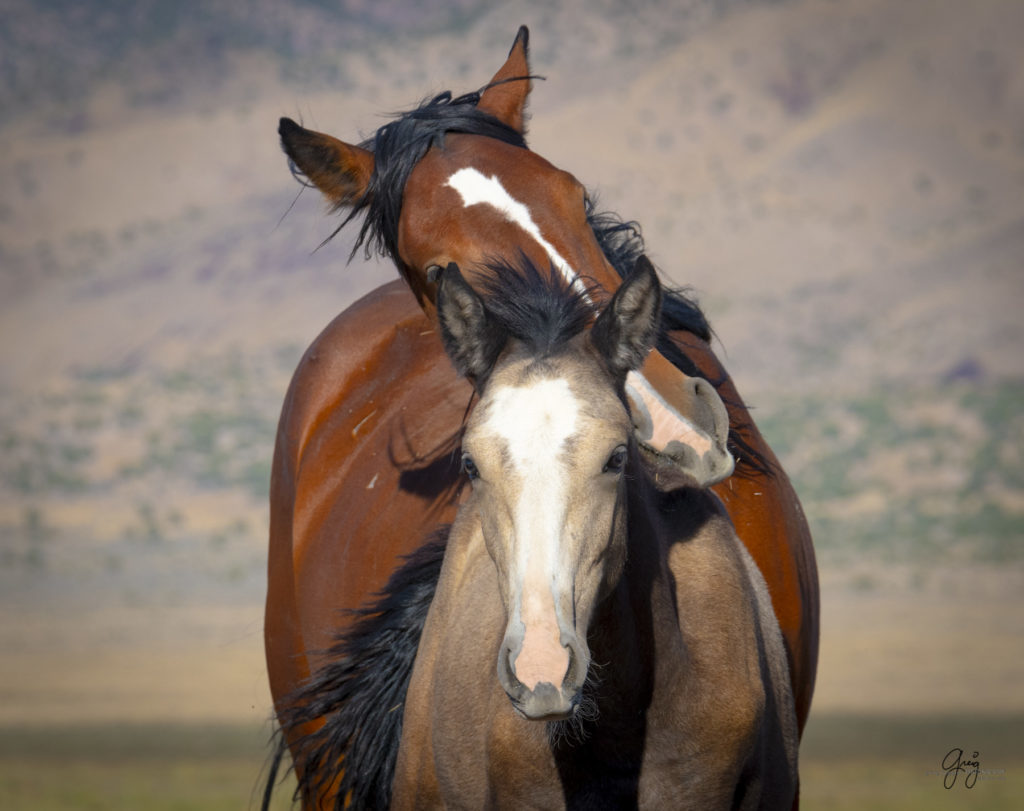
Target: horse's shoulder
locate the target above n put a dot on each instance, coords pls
(372, 367)
(339, 355)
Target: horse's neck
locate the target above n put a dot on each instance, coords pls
(638, 617)
(667, 609)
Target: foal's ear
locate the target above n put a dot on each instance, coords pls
(341, 171)
(470, 337)
(626, 329)
(505, 97)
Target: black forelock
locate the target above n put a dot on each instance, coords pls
(541, 310)
(399, 145)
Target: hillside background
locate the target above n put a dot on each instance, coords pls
(841, 183)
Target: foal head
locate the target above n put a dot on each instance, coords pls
(547, 450)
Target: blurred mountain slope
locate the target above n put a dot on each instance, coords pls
(841, 183)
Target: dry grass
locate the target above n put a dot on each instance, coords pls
(848, 762)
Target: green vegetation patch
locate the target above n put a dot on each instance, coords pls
(909, 471)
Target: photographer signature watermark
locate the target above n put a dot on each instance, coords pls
(959, 762)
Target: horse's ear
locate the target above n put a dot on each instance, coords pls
(505, 96)
(470, 337)
(626, 329)
(341, 171)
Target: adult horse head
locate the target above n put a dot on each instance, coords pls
(453, 182)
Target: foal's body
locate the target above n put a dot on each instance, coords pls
(689, 704)
(680, 663)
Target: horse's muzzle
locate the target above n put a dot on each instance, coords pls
(545, 702)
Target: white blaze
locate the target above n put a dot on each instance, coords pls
(476, 189)
(662, 422)
(535, 421)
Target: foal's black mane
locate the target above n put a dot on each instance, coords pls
(540, 310)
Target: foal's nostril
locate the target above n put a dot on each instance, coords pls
(507, 672)
(575, 674)
(570, 671)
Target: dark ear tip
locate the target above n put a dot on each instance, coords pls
(287, 127)
(523, 36)
(645, 266)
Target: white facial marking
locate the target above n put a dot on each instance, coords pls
(476, 189)
(662, 421)
(535, 421)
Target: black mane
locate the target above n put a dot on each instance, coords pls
(359, 693)
(398, 146)
(622, 244)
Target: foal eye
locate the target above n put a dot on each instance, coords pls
(469, 467)
(617, 461)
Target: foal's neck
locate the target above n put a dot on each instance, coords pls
(635, 626)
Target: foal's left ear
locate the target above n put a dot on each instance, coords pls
(470, 337)
(626, 329)
(505, 97)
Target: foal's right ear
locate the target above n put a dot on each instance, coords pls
(470, 337)
(626, 329)
(341, 171)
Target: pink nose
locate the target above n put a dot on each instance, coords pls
(542, 656)
(536, 697)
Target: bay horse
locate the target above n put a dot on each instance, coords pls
(366, 464)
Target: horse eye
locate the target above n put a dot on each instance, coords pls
(617, 461)
(469, 467)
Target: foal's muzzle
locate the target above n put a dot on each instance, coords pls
(545, 702)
